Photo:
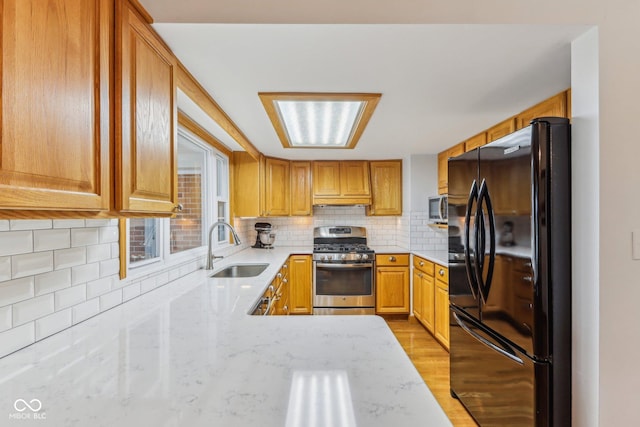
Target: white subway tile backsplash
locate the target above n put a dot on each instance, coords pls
(115, 250)
(16, 338)
(32, 309)
(5, 268)
(70, 296)
(52, 281)
(100, 252)
(109, 267)
(85, 236)
(68, 223)
(28, 224)
(98, 287)
(16, 242)
(64, 258)
(110, 300)
(4, 225)
(53, 323)
(131, 291)
(100, 222)
(85, 273)
(148, 284)
(5, 318)
(47, 240)
(30, 264)
(85, 310)
(109, 234)
(16, 290)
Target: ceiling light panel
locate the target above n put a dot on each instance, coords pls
(304, 120)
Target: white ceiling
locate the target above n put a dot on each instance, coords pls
(440, 83)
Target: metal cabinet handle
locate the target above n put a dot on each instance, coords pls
(279, 275)
(284, 266)
(527, 264)
(178, 207)
(441, 272)
(285, 281)
(272, 288)
(285, 309)
(420, 275)
(392, 259)
(421, 264)
(527, 279)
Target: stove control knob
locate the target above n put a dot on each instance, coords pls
(365, 256)
(323, 258)
(358, 256)
(343, 256)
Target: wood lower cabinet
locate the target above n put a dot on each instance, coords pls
(146, 125)
(277, 187)
(392, 283)
(386, 188)
(431, 298)
(282, 291)
(300, 274)
(441, 306)
(56, 62)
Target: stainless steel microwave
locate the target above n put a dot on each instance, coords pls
(438, 209)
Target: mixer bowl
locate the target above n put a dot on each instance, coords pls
(267, 239)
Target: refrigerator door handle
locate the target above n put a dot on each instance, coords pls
(501, 348)
(473, 196)
(484, 200)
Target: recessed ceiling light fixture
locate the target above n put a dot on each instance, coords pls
(319, 120)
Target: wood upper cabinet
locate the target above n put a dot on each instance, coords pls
(501, 129)
(386, 188)
(55, 132)
(247, 185)
(443, 166)
(277, 187)
(554, 106)
(300, 287)
(300, 188)
(341, 182)
(146, 129)
(392, 283)
(477, 141)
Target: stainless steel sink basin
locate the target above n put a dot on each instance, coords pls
(241, 270)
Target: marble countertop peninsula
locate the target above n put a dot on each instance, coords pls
(189, 354)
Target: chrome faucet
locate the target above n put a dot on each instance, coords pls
(210, 256)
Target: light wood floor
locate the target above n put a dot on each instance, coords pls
(432, 362)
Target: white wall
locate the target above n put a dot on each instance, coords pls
(423, 180)
(585, 217)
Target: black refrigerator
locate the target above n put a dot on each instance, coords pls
(510, 277)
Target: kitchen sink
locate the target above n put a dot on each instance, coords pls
(241, 270)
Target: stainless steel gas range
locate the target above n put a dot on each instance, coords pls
(343, 271)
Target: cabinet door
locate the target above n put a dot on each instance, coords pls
(277, 187)
(326, 179)
(418, 299)
(354, 179)
(55, 106)
(477, 141)
(301, 188)
(392, 290)
(441, 327)
(428, 295)
(554, 106)
(146, 141)
(300, 284)
(501, 129)
(443, 166)
(386, 188)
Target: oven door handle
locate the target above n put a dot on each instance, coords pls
(326, 265)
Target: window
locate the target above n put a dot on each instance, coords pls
(203, 192)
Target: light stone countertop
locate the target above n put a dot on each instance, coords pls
(439, 257)
(188, 354)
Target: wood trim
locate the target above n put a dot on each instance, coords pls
(192, 88)
(371, 101)
(122, 233)
(142, 11)
(192, 126)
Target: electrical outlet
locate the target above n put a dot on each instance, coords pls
(635, 244)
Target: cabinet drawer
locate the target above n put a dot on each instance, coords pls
(427, 267)
(442, 273)
(391, 260)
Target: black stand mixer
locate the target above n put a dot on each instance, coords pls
(265, 236)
